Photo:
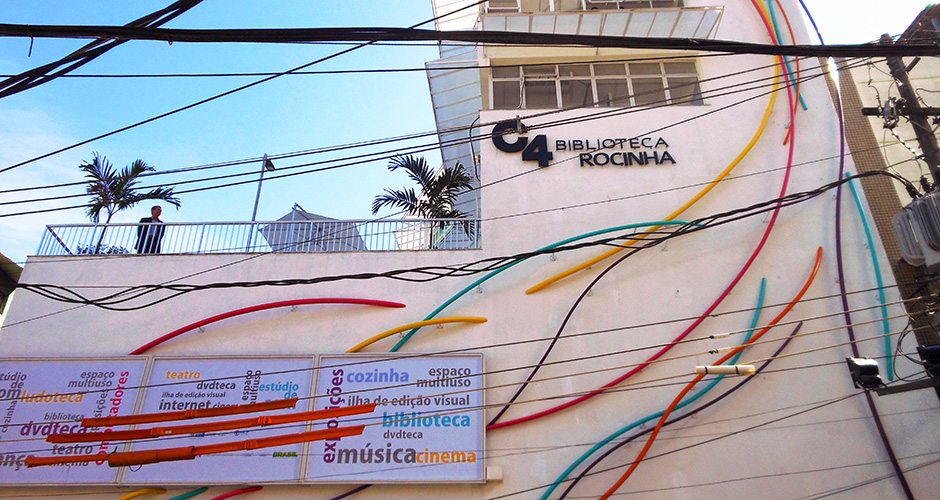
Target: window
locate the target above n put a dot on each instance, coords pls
(599, 84)
(496, 6)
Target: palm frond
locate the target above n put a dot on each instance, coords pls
(438, 192)
(405, 199)
(113, 191)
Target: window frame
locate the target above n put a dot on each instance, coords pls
(628, 76)
(585, 5)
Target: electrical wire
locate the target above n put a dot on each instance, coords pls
(373, 142)
(376, 34)
(417, 274)
(421, 69)
(672, 406)
(494, 422)
(770, 226)
(38, 76)
(649, 384)
(885, 441)
(725, 394)
(480, 281)
(218, 96)
(679, 211)
(685, 402)
(331, 164)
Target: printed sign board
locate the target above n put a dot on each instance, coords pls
(38, 398)
(427, 427)
(188, 384)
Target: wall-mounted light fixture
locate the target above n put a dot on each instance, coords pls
(864, 373)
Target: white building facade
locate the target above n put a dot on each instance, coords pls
(599, 146)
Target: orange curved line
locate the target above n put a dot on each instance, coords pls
(149, 418)
(130, 458)
(227, 425)
(726, 357)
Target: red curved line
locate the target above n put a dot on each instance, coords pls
(260, 307)
(701, 318)
(237, 492)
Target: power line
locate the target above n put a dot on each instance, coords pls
(423, 273)
(376, 34)
(38, 76)
(369, 420)
(219, 96)
(365, 71)
(328, 149)
(360, 159)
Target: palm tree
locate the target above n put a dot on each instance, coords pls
(438, 191)
(112, 191)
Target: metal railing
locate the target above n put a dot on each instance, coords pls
(247, 237)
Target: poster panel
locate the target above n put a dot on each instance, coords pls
(193, 383)
(428, 426)
(39, 397)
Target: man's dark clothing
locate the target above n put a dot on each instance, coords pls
(149, 236)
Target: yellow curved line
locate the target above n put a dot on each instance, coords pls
(419, 324)
(683, 208)
(145, 491)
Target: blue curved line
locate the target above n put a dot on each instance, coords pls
(791, 76)
(810, 16)
(191, 494)
(685, 402)
(549, 247)
(881, 288)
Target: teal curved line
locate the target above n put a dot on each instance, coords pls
(791, 76)
(191, 494)
(549, 247)
(881, 288)
(685, 402)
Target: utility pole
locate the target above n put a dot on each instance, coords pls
(916, 114)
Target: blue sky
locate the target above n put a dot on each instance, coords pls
(292, 113)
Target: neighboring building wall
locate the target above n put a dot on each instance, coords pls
(880, 144)
(9, 275)
(637, 307)
(899, 145)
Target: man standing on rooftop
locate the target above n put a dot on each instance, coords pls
(150, 232)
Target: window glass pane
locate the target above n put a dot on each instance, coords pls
(539, 70)
(602, 4)
(679, 67)
(610, 69)
(685, 90)
(574, 70)
(567, 5)
(648, 91)
(510, 72)
(506, 95)
(645, 69)
(613, 93)
(502, 6)
(540, 94)
(576, 93)
(663, 4)
(536, 5)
